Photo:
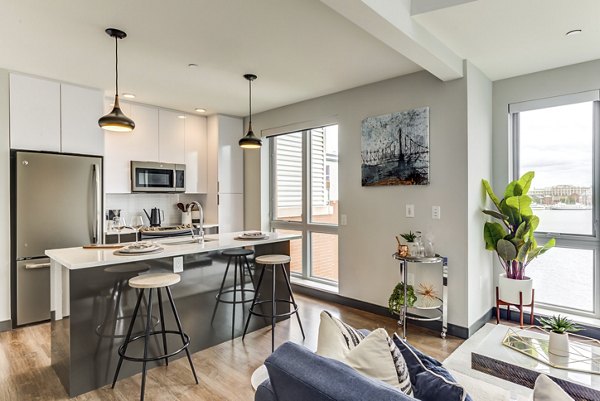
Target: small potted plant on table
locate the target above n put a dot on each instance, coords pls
(396, 301)
(559, 327)
(413, 247)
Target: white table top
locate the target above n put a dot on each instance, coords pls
(79, 258)
(492, 347)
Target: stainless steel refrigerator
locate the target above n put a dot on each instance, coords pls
(56, 202)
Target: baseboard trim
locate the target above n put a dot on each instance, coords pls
(481, 321)
(453, 330)
(6, 325)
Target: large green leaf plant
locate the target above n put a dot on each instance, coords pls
(512, 235)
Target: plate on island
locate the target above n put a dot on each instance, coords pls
(139, 248)
(252, 235)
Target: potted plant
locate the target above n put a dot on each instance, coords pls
(559, 327)
(396, 301)
(413, 247)
(512, 238)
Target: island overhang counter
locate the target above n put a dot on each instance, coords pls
(92, 303)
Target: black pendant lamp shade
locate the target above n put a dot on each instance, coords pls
(115, 120)
(250, 141)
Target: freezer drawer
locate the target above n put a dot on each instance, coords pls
(33, 291)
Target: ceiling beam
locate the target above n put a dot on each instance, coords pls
(390, 21)
(425, 6)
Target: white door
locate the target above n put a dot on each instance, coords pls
(80, 110)
(171, 137)
(231, 213)
(195, 155)
(34, 113)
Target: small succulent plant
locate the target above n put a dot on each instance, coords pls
(559, 324)
(409, 236)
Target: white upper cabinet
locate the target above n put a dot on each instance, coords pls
(196, 180)
(171, 137)
(34, 113)
(123, 147)
(231, 157)
(80, 110)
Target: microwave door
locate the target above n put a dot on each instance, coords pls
(149, 179)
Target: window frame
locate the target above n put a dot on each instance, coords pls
(567, 240)
(305, 226)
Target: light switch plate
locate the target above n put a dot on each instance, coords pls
(436, 212)
(344, 219)
(410, 210)
(178, 264)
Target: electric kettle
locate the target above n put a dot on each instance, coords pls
(155, 216)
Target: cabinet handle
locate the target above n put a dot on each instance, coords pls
(218, 203)
(30, 266)
(218, 186)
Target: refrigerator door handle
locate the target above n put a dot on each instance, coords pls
(97, 212)
(30, 266)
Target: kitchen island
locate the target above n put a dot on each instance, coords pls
(92, 304)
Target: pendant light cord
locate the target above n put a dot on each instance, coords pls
(116, 66)
(250, 103)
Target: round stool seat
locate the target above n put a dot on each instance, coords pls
(272, 259)
(154, 280)
(238, 252)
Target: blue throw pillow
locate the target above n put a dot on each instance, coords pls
(430, 380)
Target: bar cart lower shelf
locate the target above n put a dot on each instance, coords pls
(431, 311)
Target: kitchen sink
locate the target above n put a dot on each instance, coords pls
(187, 241)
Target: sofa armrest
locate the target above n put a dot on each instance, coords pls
(297, 374)
(264, 392)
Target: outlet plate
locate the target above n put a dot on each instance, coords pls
(410, 210)
(178, 264)
(436, 212)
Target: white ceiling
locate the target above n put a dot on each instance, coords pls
(506, 38)
(300, 49)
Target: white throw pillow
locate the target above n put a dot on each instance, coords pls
(546, 390)
(370, 355)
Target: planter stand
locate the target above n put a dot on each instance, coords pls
(519, 306)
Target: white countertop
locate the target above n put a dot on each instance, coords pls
(79, 258)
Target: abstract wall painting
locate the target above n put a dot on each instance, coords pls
(395, 148)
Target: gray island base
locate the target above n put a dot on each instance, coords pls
(92, 305)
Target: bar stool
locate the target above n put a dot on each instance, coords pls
(240, 260)
(153, 281)
(272, 261)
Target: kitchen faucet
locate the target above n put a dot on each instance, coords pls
(201, 231)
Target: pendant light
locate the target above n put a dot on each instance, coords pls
(250, 141)
(116, 121)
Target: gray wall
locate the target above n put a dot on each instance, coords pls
(4, 199)
(376, 214)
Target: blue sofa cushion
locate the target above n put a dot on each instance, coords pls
(430, 380)
(297, 374)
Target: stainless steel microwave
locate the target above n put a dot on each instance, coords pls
(157, 177)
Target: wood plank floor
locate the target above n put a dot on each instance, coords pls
(224, 370)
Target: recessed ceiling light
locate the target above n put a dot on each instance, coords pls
(193, 65)
(200, 110)
(129, 95)
(182, 117)
(573, 32)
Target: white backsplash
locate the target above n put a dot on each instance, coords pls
(133, 205)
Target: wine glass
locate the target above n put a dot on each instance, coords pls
(119, 225)
(137, 222)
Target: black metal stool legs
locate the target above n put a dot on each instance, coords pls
(183, 339)
(162, 320)
(273, 309)
(257, 288)
(220, 291)
(289, 286)
(128, 337)
(146, 338)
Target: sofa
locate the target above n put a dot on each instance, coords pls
(298, 374)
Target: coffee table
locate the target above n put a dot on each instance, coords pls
(492, 357)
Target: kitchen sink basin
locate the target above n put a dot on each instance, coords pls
(187, 241)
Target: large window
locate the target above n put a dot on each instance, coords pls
(558, 139)
(304, 194)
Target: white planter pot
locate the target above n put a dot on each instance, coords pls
(559, 344)
(509, 289)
